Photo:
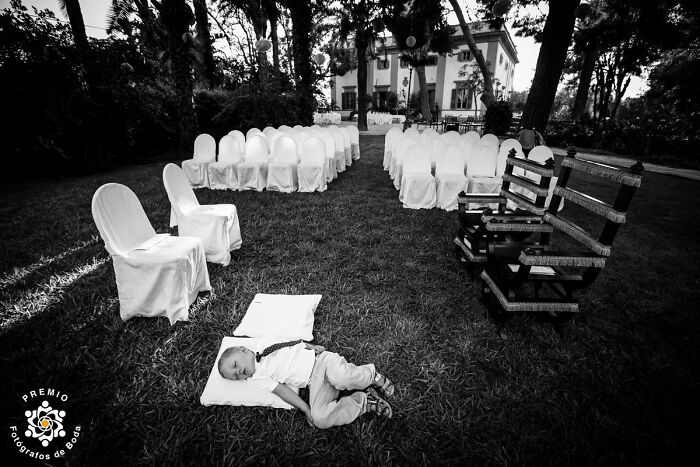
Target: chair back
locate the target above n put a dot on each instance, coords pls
(483, 162)
(391, 137)
(256, 149)
(284, 150)
(229, 150)
(437, 149)
(346, 136)
(471, 138)
(298, 127)
(300, 136)
(489, 139)
(204, 148)
(410, 131)
(268, 131)
(313, 152)
(272, 139)
(430, 132)
(417, 160)
(451, 161)
(338, 139)
(120, 218)
(240, 137)
(451, 137)
(252, 132)
(180, 192)
(401, 148)
(329, 142)
(503, 151)
(284, 128)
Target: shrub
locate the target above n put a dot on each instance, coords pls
(498, 117)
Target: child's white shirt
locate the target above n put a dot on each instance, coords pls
(290, 365)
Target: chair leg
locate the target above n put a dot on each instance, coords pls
(560, 323)
(497, 313)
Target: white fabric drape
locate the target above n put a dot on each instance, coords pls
(252, 172)
(311, 170)
(417, 184)
(329, 145)
(339, 144)
(223, 174)
(354, 141)
(282, 169)
(449, 177)
(216, 225)
(390, 141)
(204, 153)
(156, 275)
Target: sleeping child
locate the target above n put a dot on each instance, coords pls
(299, 364)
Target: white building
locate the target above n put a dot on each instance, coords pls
(388, 72)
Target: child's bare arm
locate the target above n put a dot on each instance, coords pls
(316, 348)
(292, 398)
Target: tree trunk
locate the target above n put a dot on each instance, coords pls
(361, 47)
(208, 74)
(176, 15)
(590, 55)
(487, 94)
(423, 93)
(77, 25)
(275, 48)
(301, 15)
(556, 38)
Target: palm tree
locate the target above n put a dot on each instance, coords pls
(71, 8)
(208, 72)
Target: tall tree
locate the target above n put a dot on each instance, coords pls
(556, 38)
(426, 22)
(75, 16)
(301, 14)
(176, 17)
(204, 42)
(487, 95)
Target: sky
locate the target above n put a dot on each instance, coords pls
(95, 17)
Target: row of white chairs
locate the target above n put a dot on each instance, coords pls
(158, 274)
(285, 159)
(431, 169)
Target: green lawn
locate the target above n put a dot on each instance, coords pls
(622, 389)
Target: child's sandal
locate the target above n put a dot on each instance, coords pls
(378, 405)
(387, 388)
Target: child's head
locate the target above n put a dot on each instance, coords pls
(237, 363)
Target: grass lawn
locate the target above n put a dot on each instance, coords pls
(622, 389)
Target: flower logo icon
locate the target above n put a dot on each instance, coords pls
(45, 423)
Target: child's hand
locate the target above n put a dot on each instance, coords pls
(316, 348)
(309, 418)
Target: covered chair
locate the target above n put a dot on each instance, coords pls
(339, 143)
(252, 132)
(329, 143)
(348, 145)
(223, 174)
(238, 136)
(450, 180)
(470, 138)
(354, 141)
(489, 139)
(481, 170)
(417, 183)
(157, 275)
(204, 154)
(390, 139)
(252, 172)
(282, 168)
(437, 151)
(215, 224)
(400, 156)
(311, 170)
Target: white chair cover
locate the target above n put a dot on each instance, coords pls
(389, 141)
(348, 148)
(417, 184)
(503, 151)
(481, 172)
(329, 143)
(411, 132)
(339, 142)
(311, 170)
(215, 224)
(252, 132)
(451, 137)
(252, 172)
(239, 136)
(282, 168)
(223, 174)
(489, 139)
(538, 154)
(401, 150)
(268, 131)
(449, 177)
(437, 149)
(204, 154)
(298, 127)
(354, 141)
(157, 275)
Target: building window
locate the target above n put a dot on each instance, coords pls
(500, 60)
(432, 60)
(404, 63)
(462, 97)
(348, 100)
(464, 56)
(382, 64)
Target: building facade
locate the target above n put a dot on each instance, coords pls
(447, 75)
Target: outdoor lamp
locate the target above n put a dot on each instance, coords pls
(319, 59)
(410, 41)
(263, 45)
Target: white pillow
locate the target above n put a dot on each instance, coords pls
(222, 391)
(288, 316)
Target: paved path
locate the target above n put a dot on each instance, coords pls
(605, 159)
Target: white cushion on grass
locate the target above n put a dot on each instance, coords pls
(287, 316)
(222, 391)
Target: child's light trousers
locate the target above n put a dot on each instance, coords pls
(331, 374)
